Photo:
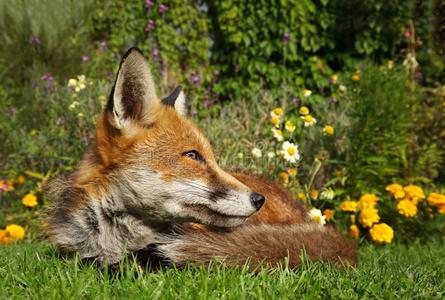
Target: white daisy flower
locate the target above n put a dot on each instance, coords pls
(270, 154)
(290, 152)
(316, 216)
(327, 194)
(277, 134)
(309, 120)
(307, 93)
(257, 152)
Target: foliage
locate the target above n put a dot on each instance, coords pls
(35, 270)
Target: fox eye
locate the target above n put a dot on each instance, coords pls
(194, 155)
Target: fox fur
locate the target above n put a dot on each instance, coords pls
(150, 179)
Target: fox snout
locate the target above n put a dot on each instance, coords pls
(257, 200)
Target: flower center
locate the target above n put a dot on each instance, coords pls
(291, 151)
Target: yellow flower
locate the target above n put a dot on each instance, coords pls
(407, 208)
(9, 186)
(284, 177)
(348, 205)
(292, 172)
(354, 231)
(304, 110)
(276, 112)
(16, 232)
(367, 201)
(289, 126)
(309, 120)
(396, 190)
(368, 216)
(102, 99)
(435, 199)
(29, 200)
(328, 130)
(381, 233)
(20, 179)
(356, 76)
(307, 93)
(313, 194)
(414, 192)
(275, 121)
(441, 209)
(328, 213)
(334, 78)
(390, 64)
(240, 155)
(301, 196)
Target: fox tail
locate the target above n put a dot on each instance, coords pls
(260, 245)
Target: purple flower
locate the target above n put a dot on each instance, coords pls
(103, 45)
(4, 186)
(49, 80)
(60, 121)
(148, 4)
(162, 9)
(155, 51)
(35, 40)
(295, 100)
(150, 26)
(286, 37)
(85, 58)
(196, 78)
(208, 103)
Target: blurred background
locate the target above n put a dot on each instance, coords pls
(357, 88)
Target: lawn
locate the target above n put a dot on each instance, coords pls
(34, 270)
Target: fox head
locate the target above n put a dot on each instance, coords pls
(159, 164)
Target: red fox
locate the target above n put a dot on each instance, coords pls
(151, 178)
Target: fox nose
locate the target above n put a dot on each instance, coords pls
(257, 200)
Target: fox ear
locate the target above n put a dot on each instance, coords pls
(133, 97)
(177, 100)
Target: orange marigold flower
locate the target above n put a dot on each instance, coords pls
(382, 233)
(29, 200)
(414, 192)
(348, 205)
(367, 201)
(368, 216)
(396, 190)
(441, 209)
(407, 208)
(4, 237)
(435, 199)
(354, 231)
(16, 232)
(328, 213)
(313, 194)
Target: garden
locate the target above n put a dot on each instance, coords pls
(341, 102)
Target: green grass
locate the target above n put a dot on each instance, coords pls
(34, 270)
